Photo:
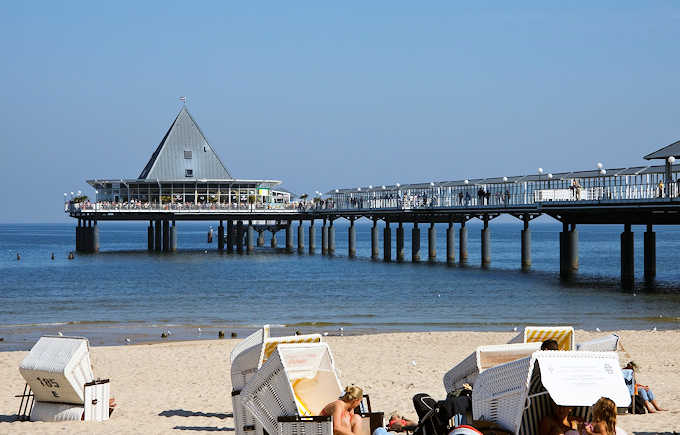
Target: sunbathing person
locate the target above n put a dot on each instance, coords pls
(643, 390)
(345, 421)
(400, 424)
(550, 344)
(561, 422)
(604, 419)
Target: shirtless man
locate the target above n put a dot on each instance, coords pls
(345, 421)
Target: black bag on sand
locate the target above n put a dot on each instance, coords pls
(434, 416)
(639, 405)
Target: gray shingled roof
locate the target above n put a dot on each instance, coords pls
(665, 152)
(170, 162)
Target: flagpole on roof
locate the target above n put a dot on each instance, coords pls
(183, 100)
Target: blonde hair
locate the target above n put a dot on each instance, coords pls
(352, 393)
(604, 410)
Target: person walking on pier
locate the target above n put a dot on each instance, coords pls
(460, 196)
(660, 188)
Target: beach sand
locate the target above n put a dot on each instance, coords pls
(184, 387)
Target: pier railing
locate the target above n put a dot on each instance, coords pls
(174, 207)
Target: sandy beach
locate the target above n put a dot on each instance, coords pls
(184, 387)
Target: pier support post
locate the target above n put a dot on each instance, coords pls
(78, 236)
(173, 237)
(351, 239)
(432, 243)
(289, 237)
(462, 244)
(166, 235)
(450, 245)
(260, 238)
(158, 242)
(230, 235)
(301, 238)
(272, 242)
(387, 242)
(149, 236)
(415, 243)
(324, 238)
(312, 237)
(650, 253)
(627, 257)
(239, 237)
(250, 238)
(568, 250)
(374, 240)
(220, 237)
(331, 238)
(400, 242)
(95, 237)
(486, 243)
(526, 245)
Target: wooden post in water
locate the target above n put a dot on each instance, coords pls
(627, 257)
(415, 243)
(650, 253)
(400, 242)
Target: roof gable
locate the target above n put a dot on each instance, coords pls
(665, 152)
(184, 147)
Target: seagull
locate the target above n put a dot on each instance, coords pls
(341, 330)
(199, 330)
(413, 363)
(514, 329)
(654, 329)
(325, 334)
(61, 334)
(127, 340)
(597, 329)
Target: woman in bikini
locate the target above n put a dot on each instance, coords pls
(345, 421)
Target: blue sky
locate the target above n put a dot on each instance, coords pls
(332, 95)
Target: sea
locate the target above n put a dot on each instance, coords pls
(126, 295)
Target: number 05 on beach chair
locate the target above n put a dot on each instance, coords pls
(59, 374)
(288, 393)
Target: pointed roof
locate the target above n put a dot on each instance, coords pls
(184, 147)
(665, 152)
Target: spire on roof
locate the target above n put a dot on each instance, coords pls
(184, 153)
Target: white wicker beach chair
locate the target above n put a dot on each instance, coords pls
(289, 391)
(246, 359)
(610, 343)
(483, 358)
(516, 395)
(62, 384)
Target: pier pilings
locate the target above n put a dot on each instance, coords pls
(312, 237)
(374, 241)
(260, 238)
(300, 238)
(324, 238)
(149, 237)
(462, 244)
(250, 238)
(158, 241)
(400, 242)
(351, 240)
(230, 235)
(432, 243)
(568, 250)
(173, 237)
(289, 237)
(526, 244)
(415, 243)
(239, 237)
(650, 253)
(486, 243)
(627, 257)
(387, 242)
(331, 238)
(450, 245)
(273, 241)
(220, 237)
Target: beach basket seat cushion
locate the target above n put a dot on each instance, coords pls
(485, 357)
(297, 380)
(517, 395)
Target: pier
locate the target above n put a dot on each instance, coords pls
(168, 191)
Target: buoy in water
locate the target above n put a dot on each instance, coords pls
(71, 256)
(52, 256)
(220, 334)
(18, 257)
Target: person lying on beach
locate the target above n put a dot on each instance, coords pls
(643, 390)
(604, 419)
(345, 421)
(561, 422)
(400, 424)
(550, 344)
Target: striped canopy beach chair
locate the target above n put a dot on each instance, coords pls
(485, 357)
(246, 359)
(291, 388)
(62, 385)
(564, 335)
(516, 395)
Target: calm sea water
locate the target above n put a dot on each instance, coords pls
(126, 292)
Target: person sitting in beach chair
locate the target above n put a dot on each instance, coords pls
(561, 422)
(643, 391)
(550, 344)
(345, 421)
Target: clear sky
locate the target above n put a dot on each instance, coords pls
(324, 95)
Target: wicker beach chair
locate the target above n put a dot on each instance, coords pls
(483, 358)
(564, 335)
(610, 343)
(246, 359)
(516, 395)
(289, 391)
(62, 385)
